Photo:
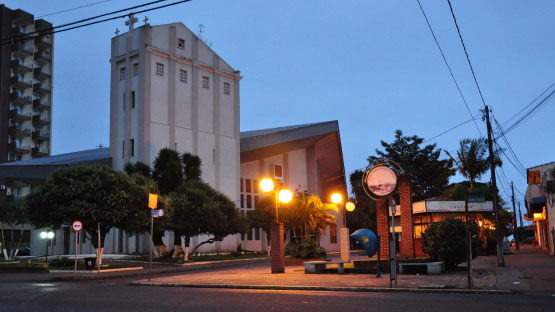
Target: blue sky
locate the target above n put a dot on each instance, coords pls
(372, 65)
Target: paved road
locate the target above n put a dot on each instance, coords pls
(39, 294)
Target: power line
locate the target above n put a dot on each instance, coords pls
(108, 19)
(532, 111)
(448, 67)
(466, 52)
(72, 9)
(532, 102)
(500, 129)
(26, 36)
(452, 128)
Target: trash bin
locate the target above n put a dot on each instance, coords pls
(90, 263)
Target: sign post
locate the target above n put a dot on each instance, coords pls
(471, 199)
(152, 204)
(77, 226)
(393, 252)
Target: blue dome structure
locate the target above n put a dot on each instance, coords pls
(367, 239)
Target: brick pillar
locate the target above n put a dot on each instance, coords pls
(277, 248)
(383, 227)
(407, 225)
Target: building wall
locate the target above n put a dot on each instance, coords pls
(186, 98)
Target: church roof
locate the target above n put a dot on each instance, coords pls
(256, 139)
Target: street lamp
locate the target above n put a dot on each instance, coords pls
(276, 230)
(47, 235)
(336, 198)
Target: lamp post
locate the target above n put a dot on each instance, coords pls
(48, 236)
(337, 199)
(276, 230)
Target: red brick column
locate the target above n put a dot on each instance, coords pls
(383, 227)
(407, 225)
(277, 248)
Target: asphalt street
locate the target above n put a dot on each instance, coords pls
(40, 294)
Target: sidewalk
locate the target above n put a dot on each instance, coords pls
(488, 278)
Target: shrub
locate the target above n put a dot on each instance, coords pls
(445, 241)
(489, 246)
(305, 249)
(62, 262)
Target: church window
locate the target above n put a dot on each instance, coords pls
(132, 141)
(226, 88)
(132, 99)
(122, 73)
(183, 75)
(181, 43)
(205, 82)
(159, 69)
(136, 69)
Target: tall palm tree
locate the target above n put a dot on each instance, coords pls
(472, 159)
(308, 215)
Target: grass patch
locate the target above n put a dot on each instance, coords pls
(200, 258)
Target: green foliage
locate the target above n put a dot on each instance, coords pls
(137, 167)
(12, 216)
(472, 159)
(199, 209)
(428, 174)
(91, 194)
(191, 166)
(445, 241)
(168, 170)
(62, 262)
(305, 249)
(487, 236)
(307, 216)
(263, 215)
(364, 215)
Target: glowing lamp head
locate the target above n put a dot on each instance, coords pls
(43, 235)
(336, 198)
(350, 206)
(285, 196)
(267, 185)
(50, 235)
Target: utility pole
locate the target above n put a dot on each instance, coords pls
(498, 232)
(515, 226)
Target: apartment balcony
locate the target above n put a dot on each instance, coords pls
(40, 106)
(41, 120)
(42, 57)
(39, 152)
(18, 83)
(37, 87)
(43, 42)
(19, 115)
(16, 99)
(18, 131)
(23, 18)
(39, 73)
(41, 24)
(40, 136)
(19, 149)
(20, 68)
(16, 32)
(19, 49)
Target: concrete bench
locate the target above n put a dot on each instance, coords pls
(315, 267)
(422, 268)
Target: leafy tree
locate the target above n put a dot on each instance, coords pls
(138, 167)
(364, 215)
(472, 160)
(445, 241)
(428, 174)
(307, 216)
(199, 209)
(168, 174)
(92, 194)
(12, 215)
(263, 215)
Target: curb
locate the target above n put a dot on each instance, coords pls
(327, 288)
(172, 269)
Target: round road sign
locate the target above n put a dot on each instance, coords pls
(77, 226)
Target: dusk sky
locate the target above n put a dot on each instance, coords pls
(372, 65)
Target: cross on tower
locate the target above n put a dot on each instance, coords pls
(145, 20)
(117, 32)
(132, 20)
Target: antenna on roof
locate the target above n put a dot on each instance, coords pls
(100, 146)
(200, 34)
